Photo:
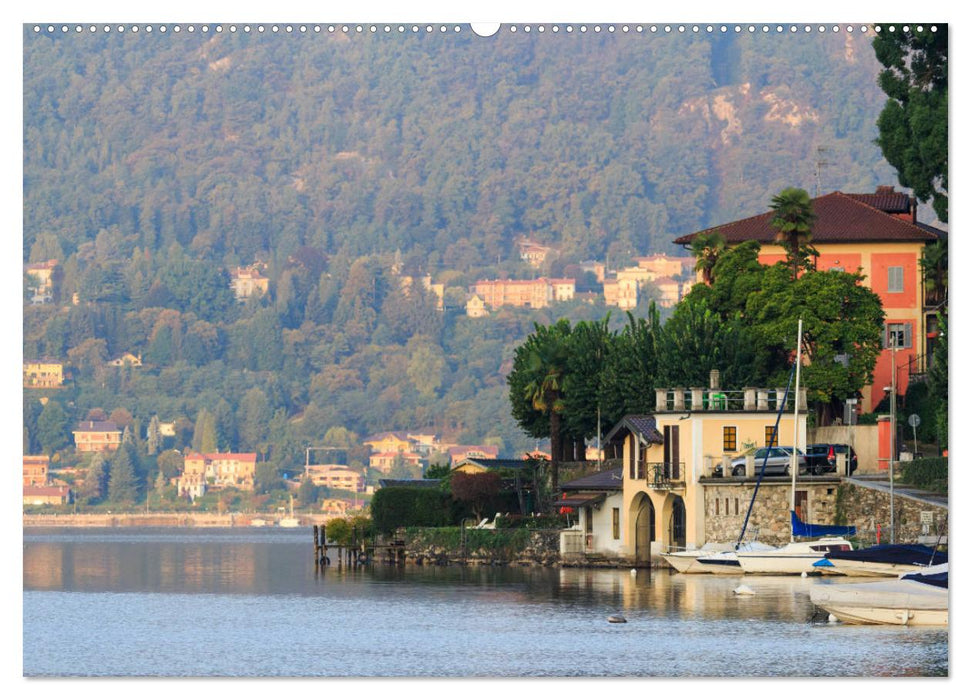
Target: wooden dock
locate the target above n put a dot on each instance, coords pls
(359, 552)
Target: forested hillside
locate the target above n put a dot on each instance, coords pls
(155, 163)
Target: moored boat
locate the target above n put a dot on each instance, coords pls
(712, 558)
(881, 560)
(793, 558)
(919, 598)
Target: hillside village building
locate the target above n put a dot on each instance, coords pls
(878, 235)
(533, 294)
(97, 436)
(247, 282)
(36, 469)
(43, 374)
(42, 275)
(335, 476)
(217, 470)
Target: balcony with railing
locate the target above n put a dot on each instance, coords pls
(696, 400)
(662, 476)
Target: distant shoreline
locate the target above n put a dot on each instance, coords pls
(187, 520)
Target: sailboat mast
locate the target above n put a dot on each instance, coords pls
(794, 461)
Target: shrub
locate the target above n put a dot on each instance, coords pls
(928, 473)
(395, 507)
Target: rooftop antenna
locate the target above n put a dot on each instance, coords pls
(821, 151)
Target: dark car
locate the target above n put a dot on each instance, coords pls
(821, 457)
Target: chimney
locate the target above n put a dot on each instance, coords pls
(913, 209)
(713, 378)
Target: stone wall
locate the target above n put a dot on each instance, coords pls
(867, 508)
(770, 514)
(830, 503)
(440, 546)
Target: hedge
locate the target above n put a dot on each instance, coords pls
(930, 473)
(400, 506)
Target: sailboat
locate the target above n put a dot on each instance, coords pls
(797, 557)
(291, 521)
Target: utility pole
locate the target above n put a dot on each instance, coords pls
(893, 427)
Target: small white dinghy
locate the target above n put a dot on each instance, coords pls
(912, 599)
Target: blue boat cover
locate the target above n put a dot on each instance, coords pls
(939, 580)
(913, 554)
(801, 529)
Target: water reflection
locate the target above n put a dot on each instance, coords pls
(117, 591)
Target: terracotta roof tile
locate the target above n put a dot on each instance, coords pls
(840, 218)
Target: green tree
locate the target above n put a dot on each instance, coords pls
(913, 125)
(629, 377)
(123, 485)
(937, 380)
(793, 221)
(477, 490)
(205, 439)
(52, 427)
(153, 436)
(170, 463)
(696, 340)
(842, 322)
(538, 383)
(307, 493)
(95, 486)
(707, 248)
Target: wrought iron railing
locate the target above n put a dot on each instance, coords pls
(661, 475)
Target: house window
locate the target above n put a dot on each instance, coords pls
(615, 513)
(736, 506)
(729, 438)
(897, 335)
(771, 439)
(717, 506)
(895, 279)
(588, 520)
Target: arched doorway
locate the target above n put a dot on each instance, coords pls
(677, 525)
(644, 533)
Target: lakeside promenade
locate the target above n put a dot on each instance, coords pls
(161, 520)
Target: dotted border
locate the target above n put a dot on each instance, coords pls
(53, 29)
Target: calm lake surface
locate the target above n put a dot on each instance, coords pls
(167, 602)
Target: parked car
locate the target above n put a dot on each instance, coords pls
(777, 462)
(821, 457)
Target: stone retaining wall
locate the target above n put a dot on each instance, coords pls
(868, 508)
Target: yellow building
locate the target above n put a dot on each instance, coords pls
(248, 281)
(218, 470)
(335, 476)
(389, 442)
(43, 374)
(667, 456)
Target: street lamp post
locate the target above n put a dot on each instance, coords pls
(893, 428)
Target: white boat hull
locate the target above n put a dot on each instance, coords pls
(870, 568)
(900, 602)
(793, 559)
(711, 559)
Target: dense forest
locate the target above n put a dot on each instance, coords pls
(156, 163)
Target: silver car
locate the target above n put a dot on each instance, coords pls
(777, 463)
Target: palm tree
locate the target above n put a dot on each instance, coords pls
(706, 247)
(547, 366)
(793, 222)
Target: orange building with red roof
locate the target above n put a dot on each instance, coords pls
(878, 235)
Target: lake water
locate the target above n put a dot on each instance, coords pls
(251, 603)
